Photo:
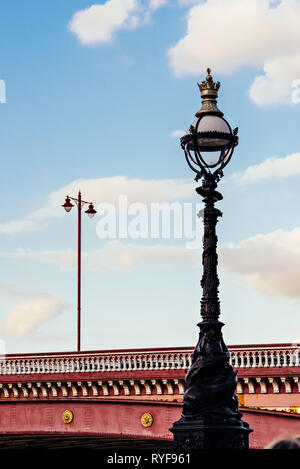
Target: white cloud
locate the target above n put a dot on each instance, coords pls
(65, 259)
(102, 190)
(276, 85)
(34, 309)
(227, 35)
(155, 4)
(271, 168)
(98, 23)
(269, 263)
(19, 226)
(188, 3)
(108, 190)
(117, 255)
(28, 315)
(177, 133)
(113, 255)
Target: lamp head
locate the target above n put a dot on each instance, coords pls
(91, 211)
(67, 205)
(209, 141)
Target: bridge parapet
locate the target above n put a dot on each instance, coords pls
(244, 356)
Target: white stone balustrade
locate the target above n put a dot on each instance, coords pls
(254, 356)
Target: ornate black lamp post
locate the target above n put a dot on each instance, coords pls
(210, 417)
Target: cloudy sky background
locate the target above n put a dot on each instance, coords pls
(97, 98)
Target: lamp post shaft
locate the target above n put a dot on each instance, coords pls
(90, 212)
(79, 274)
(210, 417)
(210, 304)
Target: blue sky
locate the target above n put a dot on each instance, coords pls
(94, 92)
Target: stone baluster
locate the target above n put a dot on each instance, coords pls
(272, 364)
(155, 362)
(266, 359)
(291, 358)
(46, 366)
(42, 366)
(111, 362)
(242, 365)
(98, 363)
(13, 367)
(172, 361)
(168, 361)
(248, 364)
(90, 361)
(101, 364)
(151, 362)
(72, 365)
(284, 359)
(176, 361)
(255, 359)
(124, 362)
(260, 363)
(296, 355)
(119, 363)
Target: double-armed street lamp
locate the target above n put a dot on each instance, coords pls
(90, 212)
(210, 416)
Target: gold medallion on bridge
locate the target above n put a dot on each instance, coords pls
(146, 420)
(67, 416)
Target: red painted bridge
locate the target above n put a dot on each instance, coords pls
(108, 392)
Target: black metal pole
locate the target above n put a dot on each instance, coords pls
(210, 417)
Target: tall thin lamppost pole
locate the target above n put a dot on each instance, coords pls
(210, 416)
(90, 212)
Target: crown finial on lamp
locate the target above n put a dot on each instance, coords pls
(209, 93)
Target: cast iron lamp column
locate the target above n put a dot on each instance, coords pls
(210, 417)
(90, 212)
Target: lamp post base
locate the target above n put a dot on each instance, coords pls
(193, 434)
